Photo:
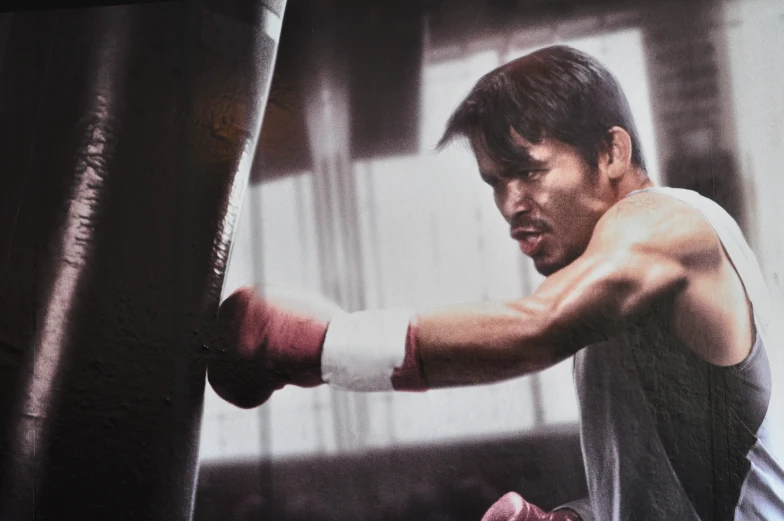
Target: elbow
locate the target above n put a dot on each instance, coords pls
(540, 342)
(565, 328)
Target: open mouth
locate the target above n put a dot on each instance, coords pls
(530, 241)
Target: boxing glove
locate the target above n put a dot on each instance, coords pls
(263, 342)
(512, 507)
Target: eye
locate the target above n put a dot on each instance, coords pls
(528, 175)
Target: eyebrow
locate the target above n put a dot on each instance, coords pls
(532, 164)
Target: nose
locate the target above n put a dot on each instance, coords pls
(513, 199)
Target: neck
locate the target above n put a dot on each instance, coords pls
(633, 181)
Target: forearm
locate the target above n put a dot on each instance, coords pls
(485, 343)
(375, 350)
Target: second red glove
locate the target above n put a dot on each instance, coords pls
(512, 507)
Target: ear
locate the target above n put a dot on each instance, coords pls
(619, 152)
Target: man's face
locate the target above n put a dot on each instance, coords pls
(552, 203)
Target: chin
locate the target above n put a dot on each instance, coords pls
(547, 267)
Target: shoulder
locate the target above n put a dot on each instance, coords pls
(662, 225)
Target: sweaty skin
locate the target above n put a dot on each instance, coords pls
(609, 258)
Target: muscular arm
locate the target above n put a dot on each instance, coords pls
(639, 253)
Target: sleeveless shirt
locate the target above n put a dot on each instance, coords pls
(668, 436)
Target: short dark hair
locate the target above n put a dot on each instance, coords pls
(556, 92)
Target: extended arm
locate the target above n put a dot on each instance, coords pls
(635, 258)
(590, 300)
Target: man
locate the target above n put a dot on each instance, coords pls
(653, 291)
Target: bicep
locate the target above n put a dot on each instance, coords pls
(585, 302)
(602, 293)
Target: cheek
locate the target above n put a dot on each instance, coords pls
(569, 204)
(567, 220)
(557, 207)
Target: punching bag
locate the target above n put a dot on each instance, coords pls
(127, 136)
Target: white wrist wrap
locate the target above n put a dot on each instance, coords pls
(362, 349)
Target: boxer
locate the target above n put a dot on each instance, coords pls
(653, 291)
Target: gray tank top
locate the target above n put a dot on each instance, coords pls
(667, 436)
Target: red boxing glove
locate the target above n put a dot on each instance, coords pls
(260, 347)
(512, 507)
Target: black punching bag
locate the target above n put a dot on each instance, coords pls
(127, 134)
